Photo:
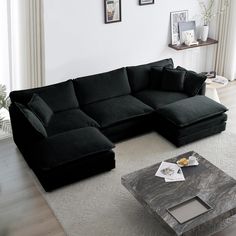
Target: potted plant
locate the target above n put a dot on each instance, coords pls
(4, 104)
(207, 13)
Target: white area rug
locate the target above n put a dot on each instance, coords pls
(101, 206)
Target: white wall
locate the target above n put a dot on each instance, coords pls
(78, 43)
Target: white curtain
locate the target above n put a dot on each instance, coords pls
(36, 43)
(226, 51)
(4, 45)
(27, 44)
(21, 47)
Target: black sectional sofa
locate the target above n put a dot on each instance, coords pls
(65, 131)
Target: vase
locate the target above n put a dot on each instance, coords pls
(204, 32)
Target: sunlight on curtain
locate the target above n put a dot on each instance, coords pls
(226, 52)
(5, 68)
(26, 43)
(230, 59)
(21, 46)
(4, 46)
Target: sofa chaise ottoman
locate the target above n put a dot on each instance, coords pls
(70, 156)
(190, 119)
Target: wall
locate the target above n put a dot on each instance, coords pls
(78, 43)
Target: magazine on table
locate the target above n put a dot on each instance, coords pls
(219, 80)
(171, 172)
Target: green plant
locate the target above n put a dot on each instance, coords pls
(208, 12)
(4, 101)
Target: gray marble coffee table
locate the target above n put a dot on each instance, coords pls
(212, 185)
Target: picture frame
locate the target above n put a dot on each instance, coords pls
(175, 18)
(146, 2)
(187, 28)
(112, 11)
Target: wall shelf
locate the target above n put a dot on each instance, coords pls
(209, 41)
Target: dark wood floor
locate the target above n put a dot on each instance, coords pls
(23, 210)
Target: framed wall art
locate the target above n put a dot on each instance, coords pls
(146, 2)
(175, 18)
(112, 11)
(187, 29)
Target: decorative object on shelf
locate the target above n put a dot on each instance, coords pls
(208, 13)
(112, 11)
(204, 32)
(175, 18)
(4, 115)
(190, 42)
(187, 31)
(200, 44)
(146, 2)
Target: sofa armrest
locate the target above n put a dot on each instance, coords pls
(24, 134)
(202, 91)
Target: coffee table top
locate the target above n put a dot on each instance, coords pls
(206, 181)
(214, 85)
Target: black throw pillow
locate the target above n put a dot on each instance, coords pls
(193, 81)
(173, 80)
(41, 109)
(156, 74)
(156, 77)
(33, 120)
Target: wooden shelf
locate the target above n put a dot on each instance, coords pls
(201, 44)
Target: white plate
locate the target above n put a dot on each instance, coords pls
(192, 162)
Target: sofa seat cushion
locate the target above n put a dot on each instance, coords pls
(178, 132)
(68, 120)
(157, 99)
(184, 135)
(115, 110)
(70, 146)
(191, 110)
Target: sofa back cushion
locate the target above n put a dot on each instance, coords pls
(102, 86)
(41, 109)
(139, 76)
(59, 97)
(173, 80)
(156, 75)
(193, 81)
